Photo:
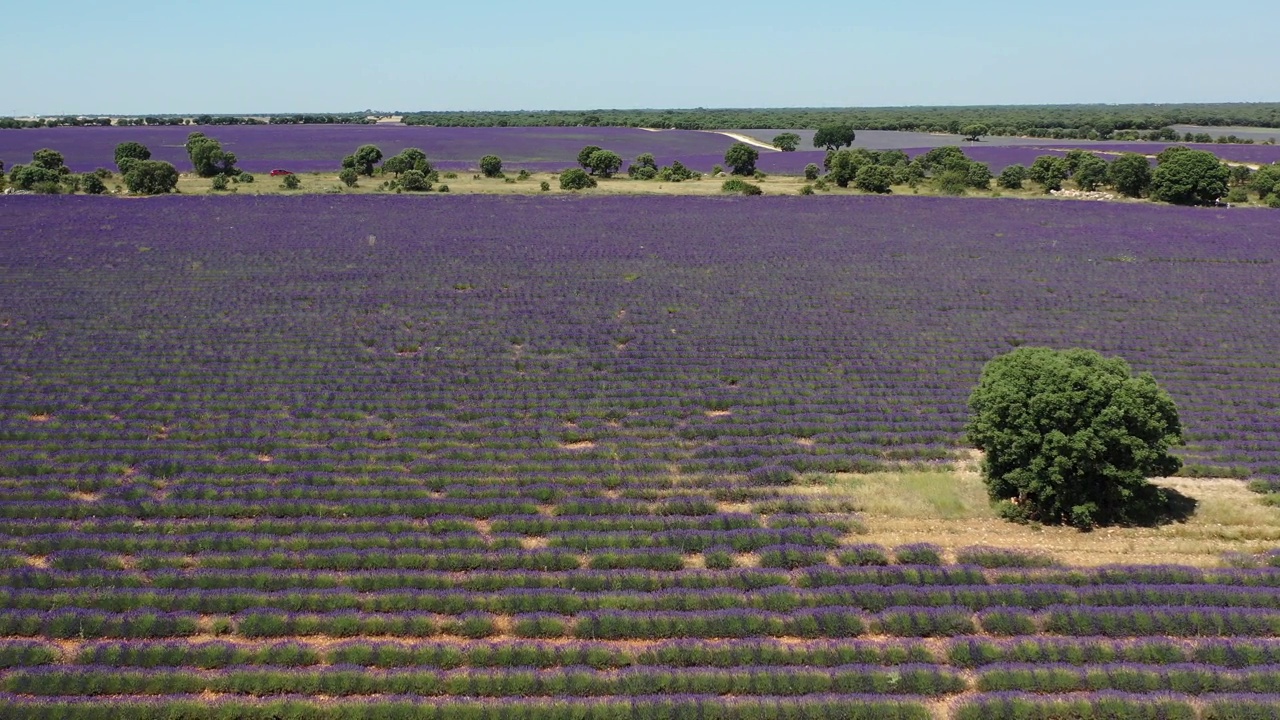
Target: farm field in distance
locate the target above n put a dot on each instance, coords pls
(367, 456)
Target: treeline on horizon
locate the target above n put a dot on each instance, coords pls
(1092, 122)
(10, 123)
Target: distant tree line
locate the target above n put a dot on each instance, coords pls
(161, 120)
(1098, 122)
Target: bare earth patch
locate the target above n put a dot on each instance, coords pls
(40, 417)
(717, 413)
(580, 445)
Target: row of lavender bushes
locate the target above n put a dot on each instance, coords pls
(972, 652)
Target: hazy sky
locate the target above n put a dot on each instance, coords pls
(261, 56)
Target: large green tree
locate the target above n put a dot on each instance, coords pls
(208, 158)
(363, 159)
(584, 156)
(134, 150)
(604, 163)
(1191, 177)
(1048, 171)
(834, 136)
(741, 158)
(1072, 437)
(786, 142)
(1130, 174)
(1090, 172)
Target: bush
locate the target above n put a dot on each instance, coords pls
(952, 182)
(738, 185)
(1130, 174)
(718, 558)
(290, 182)
(874, 178)
(1071, 437)
(443, 188)
(1011, 177)
(918, 554)
(414, 181)
(491, 166)
(863, 556)
(151, 177)
(544, 186)
(811, 172)
(806, 190)
(92, 184)
(1273, 200)
(771, 474)
(349, 177)
(1238, 195)
(576, 179)
(219, 182)
(245, 178)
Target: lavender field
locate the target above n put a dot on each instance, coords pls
(534, 457)
(319, 148)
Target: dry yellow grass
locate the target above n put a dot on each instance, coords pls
(950, 509)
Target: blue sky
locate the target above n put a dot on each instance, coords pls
(241, 56)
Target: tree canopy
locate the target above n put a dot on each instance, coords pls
(134, 150)
(151, 177)
(786, 142)
(1130, 174)
(834, 136)
(741, 158)
(363, 159)
(1190, 177)
(604, 163)
(1071, 437)
(491, 166)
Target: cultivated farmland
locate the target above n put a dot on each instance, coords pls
(366, 456)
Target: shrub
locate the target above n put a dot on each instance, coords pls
(349, 177)
(1238, 195)
(1071, 437)
(92, 184)
(443, 188)
(918, 554)
(219, 182)
(1007, 621)
(245, 177)
(740, 186)
(544, 186)
(790, 557)
(771, 474)
(291, 182)
(952, 182)
(414, 181)
(718, 558)
(806, 190)
(1011, 177)
(576, 179)
(151, 177)
(811, 172)
(491, 166)
(874, 178)
(863, 555)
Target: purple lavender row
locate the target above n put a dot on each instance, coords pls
(1001, 610)
(349, 680)
(674, 707)
(961, 652)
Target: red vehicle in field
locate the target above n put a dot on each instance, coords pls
(276, 172)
